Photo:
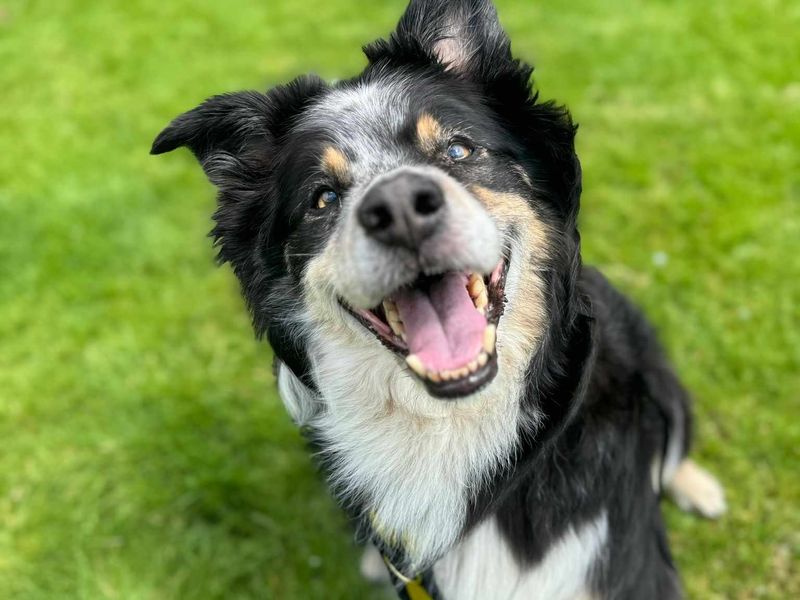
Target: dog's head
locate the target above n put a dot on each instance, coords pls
(418, 220)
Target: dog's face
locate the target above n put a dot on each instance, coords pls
(419, 217)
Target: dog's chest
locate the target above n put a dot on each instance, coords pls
(482, 566)
(410, 460)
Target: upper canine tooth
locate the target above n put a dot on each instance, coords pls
(413, 361)
(390, 308)
(482, 300)
(489, 338)
(393, 318)
(476, 286)
(397, 327)
(483, 358)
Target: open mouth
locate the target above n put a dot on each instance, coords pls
(445, 327)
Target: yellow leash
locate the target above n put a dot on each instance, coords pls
(413, 588)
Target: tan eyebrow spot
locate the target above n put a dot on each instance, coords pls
(429, 132)
(335, 162)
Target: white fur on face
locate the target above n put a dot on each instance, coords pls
(482, 566)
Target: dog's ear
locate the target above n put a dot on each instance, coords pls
(220, 123)
(463, 35)
(233, 135)
(224, 133)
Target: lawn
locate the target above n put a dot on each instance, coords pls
(145, 453)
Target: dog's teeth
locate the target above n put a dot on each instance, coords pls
(481, 300)
(462, 372)
(414, 362)
(489, 337)
(434, 377)
(393, 318)
(446, 375)
(473, 366)
(390, 308)
(398, 328)
(483, 358)
(475, 285)
(478, 293)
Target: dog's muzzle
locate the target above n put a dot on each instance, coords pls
(425, 274)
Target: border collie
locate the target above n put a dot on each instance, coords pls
(494, 415)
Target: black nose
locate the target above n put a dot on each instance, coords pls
(403, 210)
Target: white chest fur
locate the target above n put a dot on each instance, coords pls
(412, 460)
(482, 566)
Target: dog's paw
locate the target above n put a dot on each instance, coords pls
(695, 489)
(373, 569)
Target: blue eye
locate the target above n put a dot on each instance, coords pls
(326, 198)
(458, 151)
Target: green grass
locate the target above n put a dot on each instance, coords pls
(145, 453)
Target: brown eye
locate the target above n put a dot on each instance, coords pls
(458, 151)
(326, 198)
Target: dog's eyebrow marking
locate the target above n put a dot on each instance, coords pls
(335, 162)
(429, 133)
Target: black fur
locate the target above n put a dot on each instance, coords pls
(610, 411)
(609, 398)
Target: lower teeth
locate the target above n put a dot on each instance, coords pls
(416, 365)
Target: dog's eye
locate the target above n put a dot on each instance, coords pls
(458, 151)
(326, 198)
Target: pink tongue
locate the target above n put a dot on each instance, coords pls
(443, 327)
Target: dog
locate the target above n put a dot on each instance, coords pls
(496, 418)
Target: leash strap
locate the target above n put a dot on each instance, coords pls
(420, 587)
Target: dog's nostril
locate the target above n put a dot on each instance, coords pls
(427, 202)
(376, 218)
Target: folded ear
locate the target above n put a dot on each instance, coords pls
(229, 130)
(219, 132)
(463, 35)
(220, 123)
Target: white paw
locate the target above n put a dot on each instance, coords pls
(695, 489)
(373, 569)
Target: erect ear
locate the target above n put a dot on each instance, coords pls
(463, 35)
(229, 130)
